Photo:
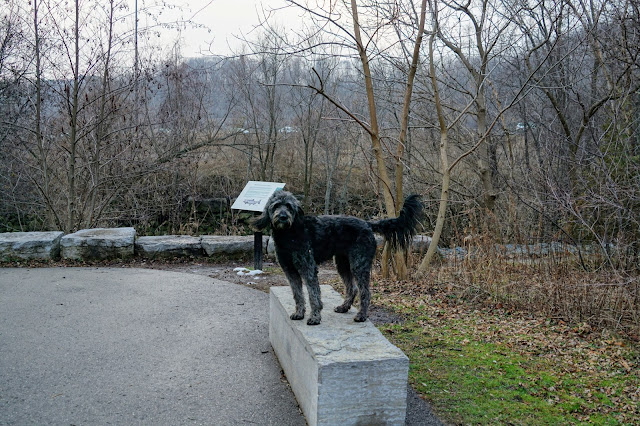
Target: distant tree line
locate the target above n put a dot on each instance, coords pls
(517, 121)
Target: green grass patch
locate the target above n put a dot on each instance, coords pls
(481, 367)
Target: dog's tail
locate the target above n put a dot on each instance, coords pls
(399, 231)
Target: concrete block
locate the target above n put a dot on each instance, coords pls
(30, 245)
(340, 371)
(220, 244)
(169, 246)
(99, 243)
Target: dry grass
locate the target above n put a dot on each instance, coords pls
(479, 363)
(598, 299)
(503, 341)
(552, 287)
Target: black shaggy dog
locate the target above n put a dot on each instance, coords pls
(304, 241)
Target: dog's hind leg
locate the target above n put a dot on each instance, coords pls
(295, 282)
(362, 277)
(361, 263)
(344, 269)
(361, 259)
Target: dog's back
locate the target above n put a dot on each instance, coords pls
(339, 235)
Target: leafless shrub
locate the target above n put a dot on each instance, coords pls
(550, 283)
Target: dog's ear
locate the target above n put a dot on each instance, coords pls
(299, 216)
(261, 222)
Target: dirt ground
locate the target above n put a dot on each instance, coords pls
(272, 275)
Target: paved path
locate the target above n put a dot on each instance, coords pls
(141, 346)
(134, 346)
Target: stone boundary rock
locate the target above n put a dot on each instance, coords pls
(98, 244)
(117, 243)
(216, 244)
(419, 244)
(341, 372)
(123, 243)
(168, 246)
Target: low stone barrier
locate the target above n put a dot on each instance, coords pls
(215, 244)
(30, 245)
(420, 243)
(107, 243)
(341, 372)
(98, 243)
(168, 246)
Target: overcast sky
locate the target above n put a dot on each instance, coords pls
(224, 19)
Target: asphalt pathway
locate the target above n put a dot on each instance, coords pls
(140, 346)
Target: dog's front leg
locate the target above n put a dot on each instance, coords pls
(295, 282)
(313, 287)
(298, 296)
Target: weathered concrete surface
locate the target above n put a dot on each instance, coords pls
(99, 243)
(341, 372)
(219, 244)
(169, 246)
(30, 245)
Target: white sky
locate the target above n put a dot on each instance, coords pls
(225, 20)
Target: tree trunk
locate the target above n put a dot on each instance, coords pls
(100, 127)
(400, 256)
(376, 146)
(484, 154)
(44, 164)
(404, 125)
(444, 164)
(73, 136)
(442, 210)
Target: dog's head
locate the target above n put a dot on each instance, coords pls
(281, 212)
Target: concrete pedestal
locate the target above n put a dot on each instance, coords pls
(341, 372)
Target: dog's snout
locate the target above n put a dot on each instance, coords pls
(282, 215)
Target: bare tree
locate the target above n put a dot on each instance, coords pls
(587, 78)
(258, 76)
(363, 33)
(484, 43)
(309, 113)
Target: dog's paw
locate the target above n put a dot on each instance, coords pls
(296, 316)
(360, 318)
(313, 321)
(342, 309)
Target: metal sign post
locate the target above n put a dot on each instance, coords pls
(257, 250)
(254, 198)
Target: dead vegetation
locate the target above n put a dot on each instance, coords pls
(541, 341)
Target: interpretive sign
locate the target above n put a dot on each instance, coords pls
(254, 198)
(255, 194)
